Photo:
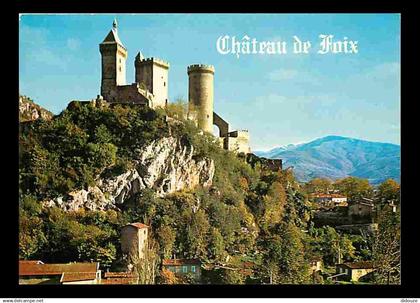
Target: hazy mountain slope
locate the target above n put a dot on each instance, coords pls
(337, 157)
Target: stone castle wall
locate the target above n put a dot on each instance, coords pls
(238, 141)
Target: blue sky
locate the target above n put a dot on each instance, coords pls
(280, 99)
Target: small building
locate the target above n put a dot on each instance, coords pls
(330, 200)
(36, 272)
(354, 271)
(183, 267)
(362, 208)
(134, 241)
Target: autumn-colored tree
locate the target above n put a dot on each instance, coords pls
(273, 203)
(167, 277)
(177, 109)
(388, 191)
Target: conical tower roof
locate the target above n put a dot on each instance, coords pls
(112, 36)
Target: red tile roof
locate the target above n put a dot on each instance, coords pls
(30, 262)
(77, 276)
(32, 269)
(138, 225)
(119, 275)
(119, 281)
(178, 262)
(248, 264)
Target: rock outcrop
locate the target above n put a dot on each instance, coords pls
(29, 111)
(165, 165)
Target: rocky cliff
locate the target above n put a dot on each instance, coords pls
(165, 166)
(29, 111)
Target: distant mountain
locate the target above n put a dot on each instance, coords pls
(337, 157)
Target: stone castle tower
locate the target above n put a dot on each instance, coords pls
(114, 56)
(153, 74)
(201, 95)
(151, 89)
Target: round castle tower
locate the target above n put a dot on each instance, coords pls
(201, 94)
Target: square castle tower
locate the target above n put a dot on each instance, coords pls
(151, 89)
(151, 84)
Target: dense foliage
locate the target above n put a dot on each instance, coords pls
(249, 214)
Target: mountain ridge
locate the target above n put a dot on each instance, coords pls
(337, 157)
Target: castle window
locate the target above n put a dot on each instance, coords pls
(193, 268)
(164, 83)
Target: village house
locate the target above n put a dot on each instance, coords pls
(362, 208)
(330, 200)
(36, 272)
(354, 271)
(183, 267)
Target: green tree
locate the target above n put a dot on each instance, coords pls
(197, 234)
(386, 249)
(216, 245)
(334, 248)
(284, 256)
(318, 185)
(31, 236)
(354, 188)
(166, 238)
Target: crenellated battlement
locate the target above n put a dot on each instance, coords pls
(152, 60)
(200, 68)
(151, 89)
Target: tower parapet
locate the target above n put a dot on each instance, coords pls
(200, 68)
(152, 60)
(201, 94)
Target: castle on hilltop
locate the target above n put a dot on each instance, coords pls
(151, 89)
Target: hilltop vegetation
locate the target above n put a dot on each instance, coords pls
(29, 111)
